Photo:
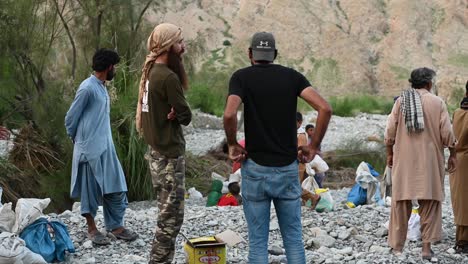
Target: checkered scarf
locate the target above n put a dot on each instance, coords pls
(411, 108)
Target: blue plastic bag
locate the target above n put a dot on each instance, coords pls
(373, 172)
(38, 240)
(357, 195)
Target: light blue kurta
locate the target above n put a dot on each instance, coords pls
(88, 124)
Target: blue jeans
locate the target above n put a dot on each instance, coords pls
(260, 186)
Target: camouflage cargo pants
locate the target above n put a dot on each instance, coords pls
(168, 177)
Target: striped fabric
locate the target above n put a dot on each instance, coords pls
(411, 108)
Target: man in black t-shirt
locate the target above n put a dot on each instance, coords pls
(270, 160)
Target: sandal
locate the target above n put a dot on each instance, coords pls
(461, 248)
(99, 239)
(428, 257)
(126, 235)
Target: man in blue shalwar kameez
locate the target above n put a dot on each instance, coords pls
(97, 176)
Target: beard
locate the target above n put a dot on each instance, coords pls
(110, 75)
(175, 63)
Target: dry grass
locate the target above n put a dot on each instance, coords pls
(31, 155)
(32, 151)
(199, 168)
(16, 183)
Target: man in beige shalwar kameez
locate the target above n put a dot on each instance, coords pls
(459, 179)
(418, 129)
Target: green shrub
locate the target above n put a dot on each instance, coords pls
(353, 152)
(208, 100)
(353, 105)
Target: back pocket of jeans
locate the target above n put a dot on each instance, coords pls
(253, 188)
(292, 188)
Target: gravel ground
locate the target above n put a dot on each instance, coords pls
(342, 236)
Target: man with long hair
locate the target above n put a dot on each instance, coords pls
(97, 176)
(161, 110)
(418, 129)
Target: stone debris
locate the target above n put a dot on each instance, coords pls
(341, 236)
(355, 236)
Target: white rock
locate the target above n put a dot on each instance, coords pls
(88, 244)
(323, 240)
(344, 251)
(316, 231)
(90, 260)
(379, 249)
(76, 207)
(134, 258)
(343, 235)
(274, 226)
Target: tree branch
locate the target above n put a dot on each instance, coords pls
(70, 37)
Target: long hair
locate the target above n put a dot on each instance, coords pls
(160, 40)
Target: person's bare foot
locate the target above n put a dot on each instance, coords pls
(397, 251)
(426, 251)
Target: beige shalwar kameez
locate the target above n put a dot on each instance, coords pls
(418, 169)
(459, 179)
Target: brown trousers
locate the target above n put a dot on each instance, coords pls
(430, 212)
(462, 234)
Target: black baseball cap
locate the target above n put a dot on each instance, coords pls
(263, 46)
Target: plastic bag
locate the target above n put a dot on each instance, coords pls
(319, 165)
(194, 194)
(27, 211)
(386, 183)
(310, 184)
(326, 202)
(213, 198)
(216, 176)
(225, 187)
(215, 193)
(7, 218)
(357, 196)
(13, 250)
(39, 240)
(414, 226)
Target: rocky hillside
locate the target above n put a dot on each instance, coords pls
(359, 46)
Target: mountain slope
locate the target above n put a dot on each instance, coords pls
(343, 47)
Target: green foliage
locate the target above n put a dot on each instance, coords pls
(381, 6)
(353, 105)
(354, 152)
(326, 73)
(438, 17)
(227, 43)
(400, 72)
(36, 88)
(457, 95)
(459, 60)
(130, 147)
(206, 98)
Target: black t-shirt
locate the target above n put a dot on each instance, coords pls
(269, 93)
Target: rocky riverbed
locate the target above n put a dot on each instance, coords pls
(207, 131)
(343, 236)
